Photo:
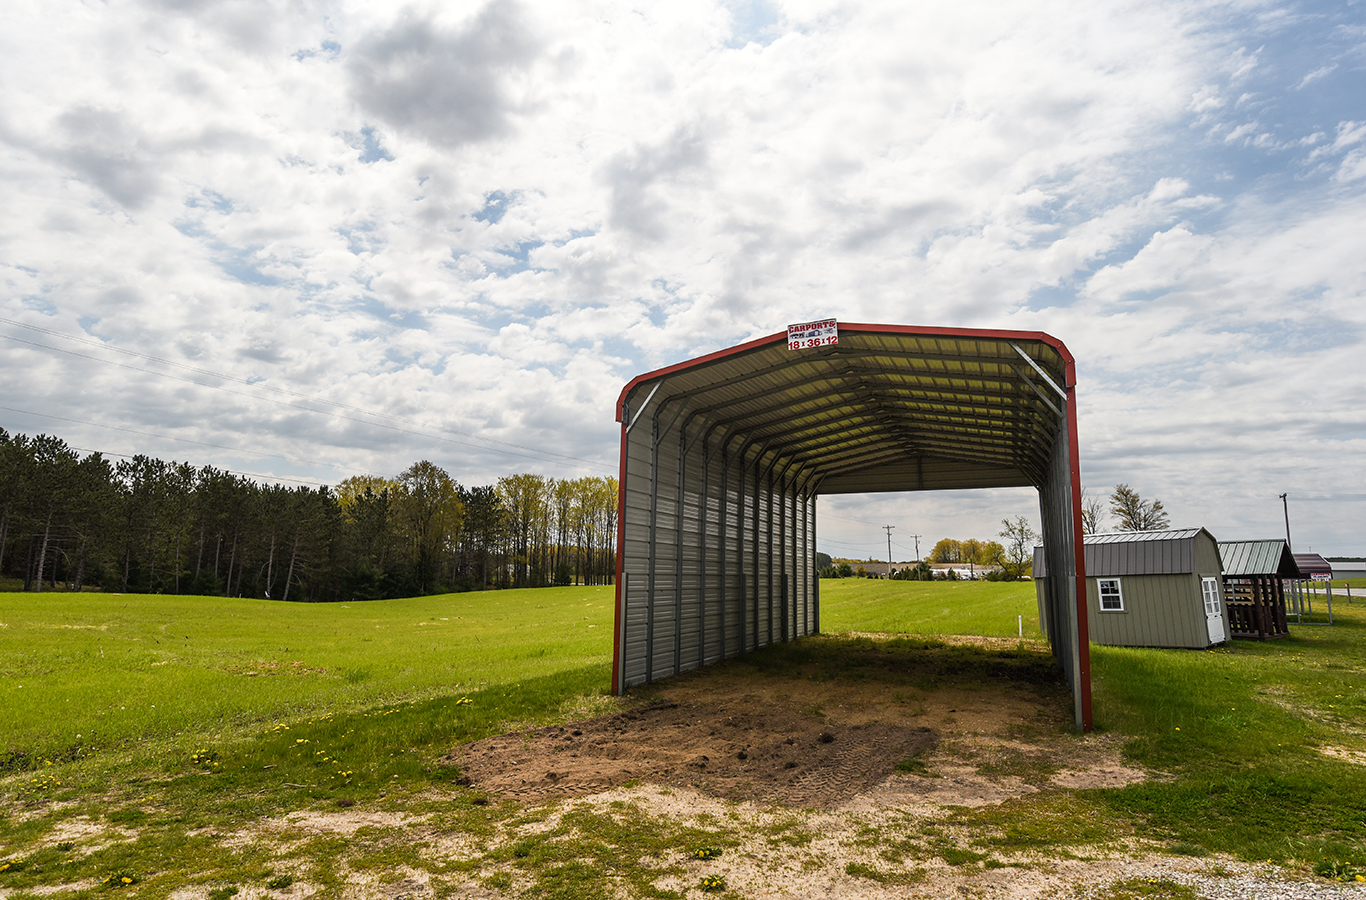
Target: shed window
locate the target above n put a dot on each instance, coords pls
(1210, 588)
(1111, 600)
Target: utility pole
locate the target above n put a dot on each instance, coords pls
(888, 529)
(917, 547)
(1285, 505)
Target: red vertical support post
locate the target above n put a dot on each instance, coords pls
(619, 626)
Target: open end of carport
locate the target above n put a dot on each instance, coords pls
(723, 458)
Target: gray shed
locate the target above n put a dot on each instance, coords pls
(1152, 588)
(724, 457)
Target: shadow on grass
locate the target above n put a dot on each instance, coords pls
(923, 661)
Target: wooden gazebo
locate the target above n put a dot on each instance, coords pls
(1253, 589)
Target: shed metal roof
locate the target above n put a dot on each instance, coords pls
(1142, 537)
(1117, 553)
(1269, 557)
(885, 409)
(1313, 564)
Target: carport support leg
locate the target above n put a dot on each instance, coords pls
(815, 578)
(678, 549)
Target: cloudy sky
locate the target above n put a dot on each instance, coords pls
(307, 240)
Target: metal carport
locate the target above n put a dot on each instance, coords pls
(723, 457)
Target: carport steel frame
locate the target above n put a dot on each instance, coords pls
(723, 457)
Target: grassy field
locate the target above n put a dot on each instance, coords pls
(987, 608)
(183, 719)
(116, 668)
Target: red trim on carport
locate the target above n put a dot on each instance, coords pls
(619, 620)
(781, 337)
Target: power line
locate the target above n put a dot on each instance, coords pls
(538, 453)
(826, 540)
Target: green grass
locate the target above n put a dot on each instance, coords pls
(144, 713)
(355, 704)
(987, 608)
(1244, 729)
(83, 673)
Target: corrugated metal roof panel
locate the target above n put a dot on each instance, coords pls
(1270, 557)
(883, 410)
(1124, 537)
(1117, 553)
(1312, 564)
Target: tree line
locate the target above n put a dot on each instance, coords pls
(1000, 562)
(144, 525)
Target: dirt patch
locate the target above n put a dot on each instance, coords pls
(742, 748)
(1343, 753)
(831, 722)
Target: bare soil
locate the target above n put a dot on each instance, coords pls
(967, 725)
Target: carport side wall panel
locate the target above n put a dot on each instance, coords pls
(633, 545)
(662, 561)
(689, 577)
(1057, 606)
(647, 522)
(1062, 597)
(658, 516)
(1076, 591)
(633, 561)
(733, 544)
(678, 549)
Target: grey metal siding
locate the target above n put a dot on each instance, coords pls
(1139, 557)
(718, 548)
(1058, 606)
(1159, 611)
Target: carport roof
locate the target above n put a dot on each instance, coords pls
(887, 408)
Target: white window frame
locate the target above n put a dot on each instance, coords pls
(1209, 590)
(1102, 596)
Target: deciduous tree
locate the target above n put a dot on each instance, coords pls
(1092, 513)
(1018, 557)
(1135, 513)
(429, 515)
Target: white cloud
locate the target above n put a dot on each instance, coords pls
(1319, 73)
(488, 217)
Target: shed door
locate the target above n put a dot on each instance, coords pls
(1214, 616)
